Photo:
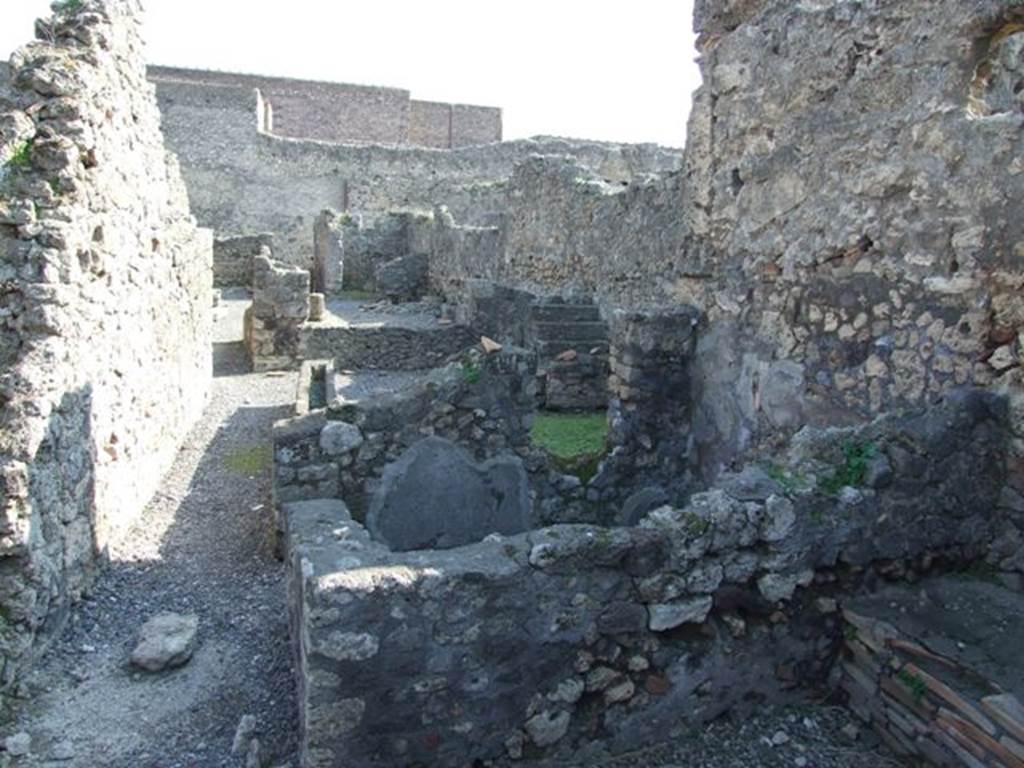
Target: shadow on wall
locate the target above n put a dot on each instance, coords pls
(50, 531)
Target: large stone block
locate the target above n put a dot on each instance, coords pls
(436, 496)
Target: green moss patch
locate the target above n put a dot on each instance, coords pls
(250, 460)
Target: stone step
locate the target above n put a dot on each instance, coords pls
(575, 331)
(566, 313)
(549, 349)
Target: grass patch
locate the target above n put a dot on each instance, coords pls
(250, 460)
(851, 471)
(70, 6)
(570, 435)
(575, 441)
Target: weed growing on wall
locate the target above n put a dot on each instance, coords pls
(854, 464)
(470, 372)
(19, 159)
(69, 6)
(788, 480)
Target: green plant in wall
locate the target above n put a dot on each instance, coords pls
(913, 683)
(470, 371)
(852, 468)
(790, 481)
(69, 6)
(19, 159)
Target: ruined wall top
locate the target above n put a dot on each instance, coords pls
(342, 112)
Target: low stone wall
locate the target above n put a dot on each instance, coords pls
(483, 403)
(389, 349)
(569, 639)
(233, 258)
(280, 307)
(918, 697)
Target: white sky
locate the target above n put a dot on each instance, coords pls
(606, 70)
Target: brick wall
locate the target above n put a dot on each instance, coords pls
(342, 112)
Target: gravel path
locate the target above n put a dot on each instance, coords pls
(203, 546)
(347, 313)
(803, 737)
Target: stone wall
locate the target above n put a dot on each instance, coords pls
(573, 640)
(274, 322)
(342, 112)
(233, 258)
(386, 348)
(565, 229)
(105, 318)
(241, 180)
(852, 205)
(365, 243)
(483, 403)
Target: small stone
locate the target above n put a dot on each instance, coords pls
(826, 605)
(664, 616)
(736, 624)
(780, 738)
(63, 751)
(1003, 358)
(638, 664)
(547, 728)
(851, 731)
(620, 692)
(878, 471)
(340, 437)
(252, 755)
(800, 762)
(775, 587)
(166, 641)
(850, 496)
(779, 519)
(567, 356)
(18, 745)
(568, 691)
(490, 346)
(514, 745)
(243, 734)
(601, 678)
(657, 685)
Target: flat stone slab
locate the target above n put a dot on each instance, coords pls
(436, 497)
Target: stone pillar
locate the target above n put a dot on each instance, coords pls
(273, 324)
(328, 252)
(650, 408)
